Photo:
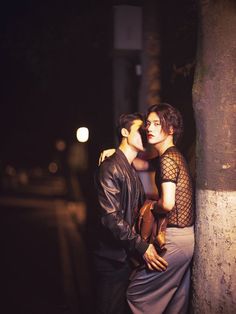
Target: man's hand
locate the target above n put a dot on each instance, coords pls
(106, 153)
(153, 260)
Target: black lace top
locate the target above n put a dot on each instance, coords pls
(172, 167)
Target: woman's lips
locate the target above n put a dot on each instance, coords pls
(149, 136)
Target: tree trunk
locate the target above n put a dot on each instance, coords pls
(214, 101)
(151, 82)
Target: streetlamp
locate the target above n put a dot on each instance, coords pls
(82, 134)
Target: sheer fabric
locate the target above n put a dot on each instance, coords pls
(171, 167)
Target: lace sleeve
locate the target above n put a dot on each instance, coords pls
(169, 170)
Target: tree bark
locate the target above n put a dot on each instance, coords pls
(151, 52)
(214, 102)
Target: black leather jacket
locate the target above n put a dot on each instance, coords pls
(120, 195)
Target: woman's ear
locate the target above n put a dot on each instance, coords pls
(124, 132)
(171, 130)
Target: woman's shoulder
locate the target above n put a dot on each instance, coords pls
(171, 156)
(172, 152)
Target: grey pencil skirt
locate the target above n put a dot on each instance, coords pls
(168, 291)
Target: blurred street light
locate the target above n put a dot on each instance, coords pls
(53, 167)
(60, 145)
(82, 134)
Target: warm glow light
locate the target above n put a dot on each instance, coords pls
(82, 134)
(10, 171)
(60, 145)
(52, 167)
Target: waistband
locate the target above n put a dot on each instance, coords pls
(180, 231)
(176, 226)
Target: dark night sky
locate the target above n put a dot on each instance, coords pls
(55, 74)
(56, 70)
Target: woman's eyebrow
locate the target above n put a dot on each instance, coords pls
(158, 121)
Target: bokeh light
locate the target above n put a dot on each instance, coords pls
(82, 134)
(60, 145)
(53, 167)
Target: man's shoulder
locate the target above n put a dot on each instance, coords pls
(110, 164)
(110, 161)
(110, 171)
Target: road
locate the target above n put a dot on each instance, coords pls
(44, 263)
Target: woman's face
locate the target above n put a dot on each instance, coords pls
(155, 133)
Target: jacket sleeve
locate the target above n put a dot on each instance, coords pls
(109, 184)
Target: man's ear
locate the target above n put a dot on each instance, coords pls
(124, 132)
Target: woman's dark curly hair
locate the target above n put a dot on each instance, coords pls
(169, 117)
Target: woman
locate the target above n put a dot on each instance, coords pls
(168, 291)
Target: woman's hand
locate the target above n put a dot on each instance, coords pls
(105, 153)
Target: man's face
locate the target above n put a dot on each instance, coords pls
(155, 133)
(134, 138)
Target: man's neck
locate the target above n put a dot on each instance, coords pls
(129, 152)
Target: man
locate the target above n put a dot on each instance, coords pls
(120, 195)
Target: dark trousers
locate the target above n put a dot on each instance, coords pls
(111, 281)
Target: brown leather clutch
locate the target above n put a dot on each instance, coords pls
(152, 228)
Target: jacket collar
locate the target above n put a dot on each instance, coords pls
(122, 156)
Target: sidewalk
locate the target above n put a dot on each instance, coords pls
(44, 258)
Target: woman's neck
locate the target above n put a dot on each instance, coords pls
(163, 146)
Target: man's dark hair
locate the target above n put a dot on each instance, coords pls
(169, 117)
(125, 121)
